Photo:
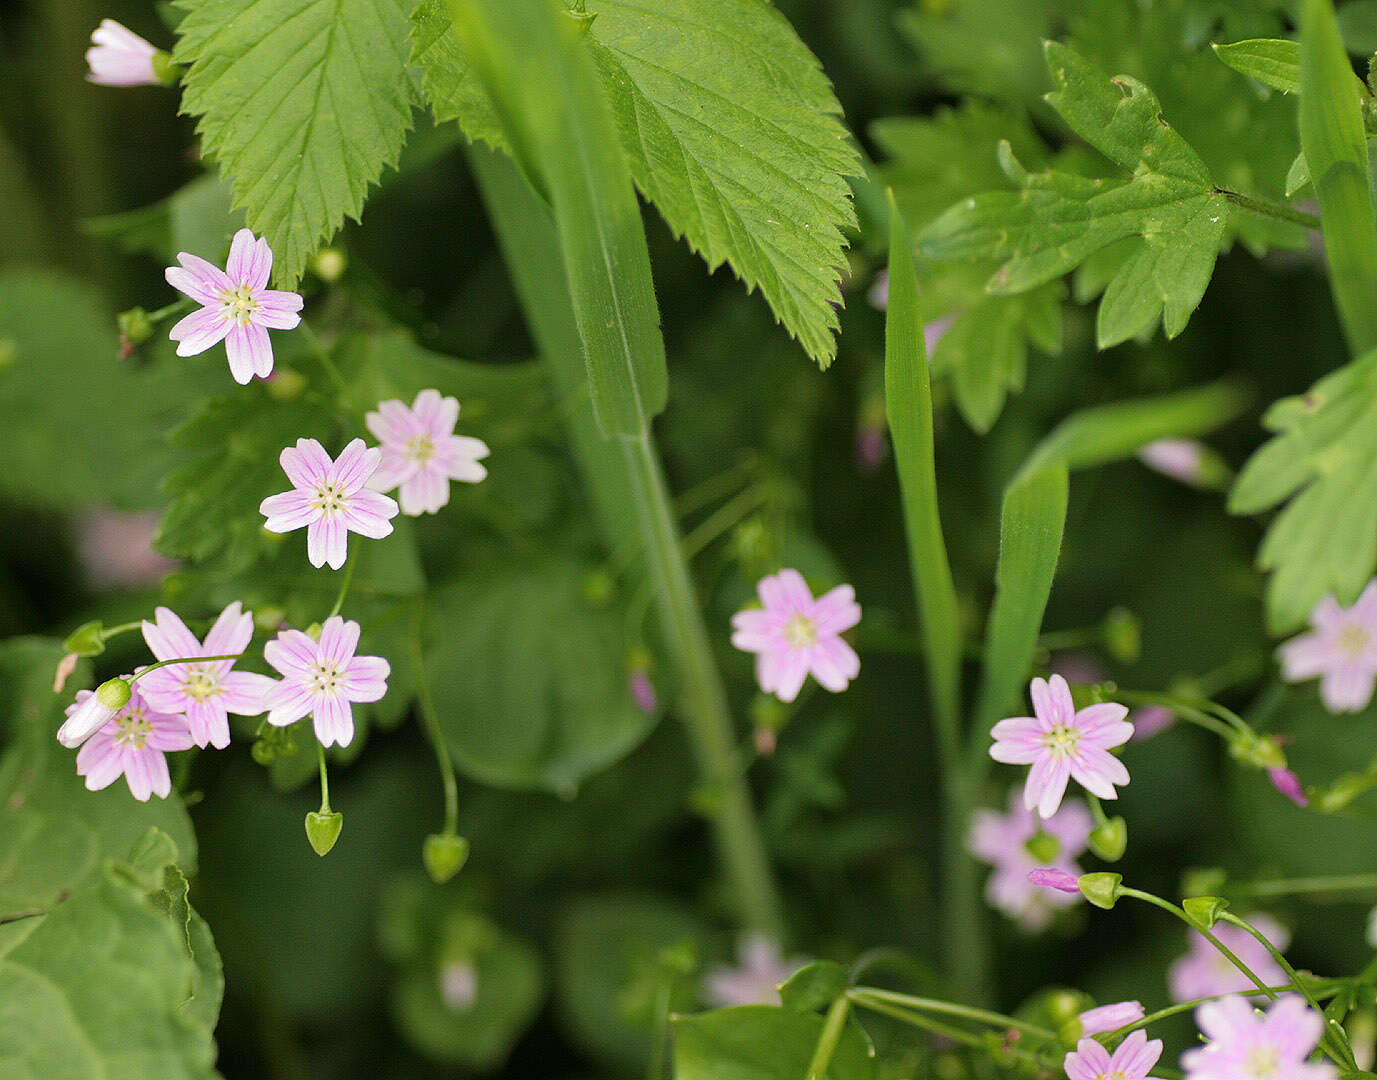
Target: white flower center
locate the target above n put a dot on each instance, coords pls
(1352, 640)
(201, 684)
(801, 632)
(134, 729)
(420, 449)
(239, 304)
(326, 678)
(330, 498)
(1062, 741)
(1264, 1063)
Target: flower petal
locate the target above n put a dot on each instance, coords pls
(250, 261)
(327, 541)
(199, 331)
(334, 721)
(288, 510)
(306, 464)
(355, 464)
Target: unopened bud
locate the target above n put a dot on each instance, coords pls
(1100, 889)
(1288, 783)
(1204, 911)
(114, 693)
(168, 73)
(263, 751)
(1258, 751)
(444, 855)
(1049, 877)
(322, 829)
(285, 384)
(268, 618)
(329, 264)
(1341, 792)
(1123, 635)
(1110, 840)
(135, 328)
(64, 670)
(1043, 847)
(88, 639)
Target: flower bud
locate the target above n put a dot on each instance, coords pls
(92, 712)
(1109, 840)
(1204, 911)
(322, 829)
(114, 693)
(1288, 783)
(444, 855)
(1258, 751)
(1100, 889)
(1043, 847)
(1123, 636)
(166, 72)
(284, 384)
(329, 264)
(64, 670)
(88, 639)
(1341, 792)
(263, 751)
(1108, 1018)
(135, 328)
(1048, 877)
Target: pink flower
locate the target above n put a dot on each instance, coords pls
(1247, 1045)
(1342, 650)
(92, 711)
(1131, 1061)
(1288, 783)
(330, 499)
(643, 691)
(1002, 841)
(421, 453)
(132, 745)
(119, 57)
(321, 678)
(1062, 744)
(795, 635)
(117, 549)
(756, 979)
(1108, 1018)
(1049, 877)
(1204, 971)
(206, 692)
(1180, 459)
(1151, 720)
(236, 306)
(458, 986)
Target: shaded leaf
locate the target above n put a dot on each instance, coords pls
(762, 1042)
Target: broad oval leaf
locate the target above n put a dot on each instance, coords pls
(763, 1042)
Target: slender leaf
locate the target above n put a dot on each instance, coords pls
(1335, 148)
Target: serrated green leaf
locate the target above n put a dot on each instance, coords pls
(303, 103)
(1324, 542)
(730, 129)
(1273, 62)
(1059, 220)
(762, 1042)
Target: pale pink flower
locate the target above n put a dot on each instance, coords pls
(459, 986)
(1180, 459)
(1151, 720)
(1049, 877)
(1245, 1044)
(322, 678)
(1002, 841)
(1342, 651)
(421, 453)
(1288, 783)
(794, 634)
(119, 57)
(92, 710)
(1131, 1061)
(756, 978)
(1107, 1018)
(209, 691)
(132, 745)
(117, 549)
(1061, 744)
(330, 499)
(1204, 971)
(236, 306)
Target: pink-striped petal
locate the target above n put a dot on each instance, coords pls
(355, 464)
(199, 331)
(366, 679)
(334, 721)
(424, 492)
(327, 542)
(307, 464)
(288, 510)
(168, 638)
(339, 638)
(250, 260)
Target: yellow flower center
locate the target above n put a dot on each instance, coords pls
(1062, 741)
(134, 729)
(1353, 640)
(201, 684)
(1264, 1063)
(420, 449)
(326, 678)
(330, 498)
(239, 304)
(1117, 1074)
(801, 632)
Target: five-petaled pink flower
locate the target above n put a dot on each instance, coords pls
(795, 634)
(1131, 1061)
(237, 306)
(1247, 1045)
(421, 453)
(1342, 651)
(132, 744)
(322, 677)
(330, 499)
(1205, 972)
(756, 978)
(1002, 841)
(1062, 744)
(119, 57)
(206, 692)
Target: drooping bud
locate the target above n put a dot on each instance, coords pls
(1110, 840)
(135, 328)
(1259, 751)
(119, 57)
(93, 711)
(322, 829)
(64, 670)
(1288, 783)
(1123, 635)
(1049, 877)
(114, 693)
(88, 639)
(1100, 889)
(286, 384)
(1204, 911)
(444, 855)
(329, 264)
(768, 717)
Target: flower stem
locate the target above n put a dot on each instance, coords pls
(430, 720)
(182, 660)
(864, 995)
(1187, 1006)
(1294, 886)
(832, 1030)
(1281, 213)
(704, 702)
(323, 355)
(344, 585)
(324, 780)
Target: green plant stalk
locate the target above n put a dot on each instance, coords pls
(430, 720)
(1295, 886)
(324, 780)
(866, 994)
(832, 1030)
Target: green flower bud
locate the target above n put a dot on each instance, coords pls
(1123, 636)
(444, 855)
(1043, 847)
(1204, 911)
(1258, 751)
(286, 384)
(168, 73)
(263, 751)
(1340, 793)
(114, 693)
(88, 639)
(329, 264)
(1203, 881)
(323, 829)
(1100, 889)
(1109, 840)
(135, 328)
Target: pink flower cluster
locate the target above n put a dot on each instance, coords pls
(175, 706)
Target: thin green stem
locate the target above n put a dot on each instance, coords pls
(182, 660)
(1180, 913)
(1187, 1006)
(704, 711)
(123, 628)
(322, 354)
(948, 1031)
(430, 720)
(324, 780)
(1270, 209)
(950, 1008)
(174, 308)
(723, 518)
(1294, 886)
(1184, 709)
(658, 1066)
(713, 488)
(344, 585)
(832, 1030)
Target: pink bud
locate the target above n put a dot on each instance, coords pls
(1111, 1017)
(1049, 877)
(1150, 720)
(65, 667)
(643, 692)
(119, 57)
(1285, 781)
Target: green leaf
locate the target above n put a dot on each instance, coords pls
(762, 1042)
(908, 406)
(985, 48)
(814, 986)
(556, 112)
(1325, 540)
(1058, 220)
(198, 218)
(1335, 147)
(107, 986)
(302, 103)
(730, 129)
(539, 701)
(1271, 61)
